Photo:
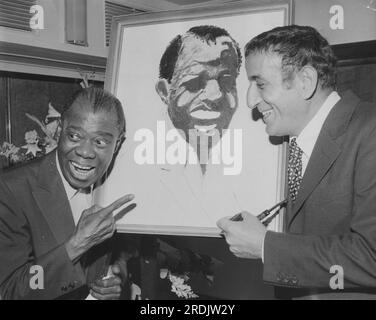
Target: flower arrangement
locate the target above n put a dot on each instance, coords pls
(35, 145)
(179, 287)
(180, 265)
(179, 272)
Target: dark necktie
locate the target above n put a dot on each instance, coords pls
(294, 169)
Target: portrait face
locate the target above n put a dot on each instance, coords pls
(283, 108)
(87, 144)
(202, 94)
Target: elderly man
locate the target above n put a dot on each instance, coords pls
(52, 240)
(329, 248)
(197, 82)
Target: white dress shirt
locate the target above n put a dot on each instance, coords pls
(306, 140)
(79, 200)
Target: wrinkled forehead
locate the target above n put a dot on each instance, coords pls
(81, 110)
(196, 52)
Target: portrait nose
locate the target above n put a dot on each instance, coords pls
(212, 91)
(253, 96)
(85, 149)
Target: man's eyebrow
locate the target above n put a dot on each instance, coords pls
(101, 133)
(74, 128)
(213, 63)
(255, 78)
(190, 76)
(104, 134)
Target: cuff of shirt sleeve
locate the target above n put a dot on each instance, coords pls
(262, 248)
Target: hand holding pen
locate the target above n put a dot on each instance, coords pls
(266, 216)
(245, 233)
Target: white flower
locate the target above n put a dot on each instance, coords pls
(181, 289)
(8, 149)
(31, 148)
(31, 137)
(15, 157)
(52, 113)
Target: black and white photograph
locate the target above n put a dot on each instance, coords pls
(202, 153)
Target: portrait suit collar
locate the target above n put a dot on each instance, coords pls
(176, 183)
(327, 148)
(183, 184)
(51, 198)
(193, 193)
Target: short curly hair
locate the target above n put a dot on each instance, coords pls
(298, 46)
(206, 33)
(99, 100)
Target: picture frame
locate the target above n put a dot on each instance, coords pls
(136, 46)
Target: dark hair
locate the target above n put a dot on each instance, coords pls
(298, 46)
(205, 33)
(99, 100)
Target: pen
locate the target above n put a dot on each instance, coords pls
(265, 213)
(268, 213)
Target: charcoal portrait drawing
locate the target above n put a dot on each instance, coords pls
(193, 153)
(197, 82)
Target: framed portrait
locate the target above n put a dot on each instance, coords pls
(194, 152)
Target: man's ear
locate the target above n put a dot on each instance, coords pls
(119, 142)
(163, 87)
(308, 79)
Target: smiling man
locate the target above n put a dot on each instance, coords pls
(46, 214)
(197, 82)
(329, 248)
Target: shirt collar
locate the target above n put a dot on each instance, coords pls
(71, 192)
(191, 159)
(308, 137)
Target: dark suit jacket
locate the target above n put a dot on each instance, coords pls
(333, 220)
(35, 222)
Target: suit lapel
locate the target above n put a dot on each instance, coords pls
(323, 156)
(326, 150)
(52, 200)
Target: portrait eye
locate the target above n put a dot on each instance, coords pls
(75, 137)
(100, 142)
(195, 84)
(260, 85)
(227, 82)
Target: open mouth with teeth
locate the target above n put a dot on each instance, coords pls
(205, 114)
(266, 114)
(80, 171)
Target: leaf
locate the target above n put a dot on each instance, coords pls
(52, 112)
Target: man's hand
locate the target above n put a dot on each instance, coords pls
(245, 238)
(95, 226)
(108, 288)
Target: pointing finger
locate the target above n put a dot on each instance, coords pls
(245, 215)
(124, 211)
(118, 203)
(223, 223)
